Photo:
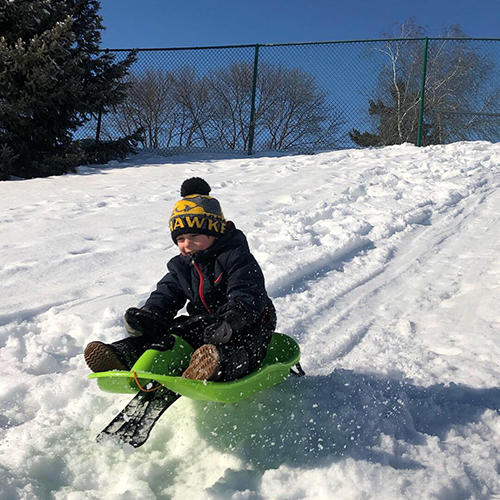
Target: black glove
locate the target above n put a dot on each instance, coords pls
(145, 322)
(197, 324)
(222, 331)
(165, 343)
(217, 334)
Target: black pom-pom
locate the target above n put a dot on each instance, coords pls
(194, 185)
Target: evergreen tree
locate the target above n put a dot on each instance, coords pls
(53, 77)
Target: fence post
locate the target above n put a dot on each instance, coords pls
(98, 128)
(422, 94)
(251, 129)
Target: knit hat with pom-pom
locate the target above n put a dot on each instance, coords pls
(197, 212)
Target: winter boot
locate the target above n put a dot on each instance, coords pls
(102, 357)
(204, 364)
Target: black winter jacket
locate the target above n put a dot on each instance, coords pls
(223, 277)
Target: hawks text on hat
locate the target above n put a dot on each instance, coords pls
(197, 212)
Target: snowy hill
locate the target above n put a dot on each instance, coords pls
(383, 264)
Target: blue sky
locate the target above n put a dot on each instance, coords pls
(174, 23)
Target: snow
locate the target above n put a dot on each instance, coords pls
(382, 263)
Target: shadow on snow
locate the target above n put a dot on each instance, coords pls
(313, 420)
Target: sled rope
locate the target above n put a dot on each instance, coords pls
(136, 378)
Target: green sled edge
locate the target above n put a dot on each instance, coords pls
(165, 367)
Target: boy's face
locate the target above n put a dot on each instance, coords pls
(192, 243)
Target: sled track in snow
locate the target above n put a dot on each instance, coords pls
(320, 268)
(358, 278)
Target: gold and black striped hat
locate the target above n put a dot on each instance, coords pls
(197, 212)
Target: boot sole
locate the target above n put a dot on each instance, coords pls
(204, 363)
(101, 357)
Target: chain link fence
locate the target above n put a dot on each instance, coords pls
(308, 97)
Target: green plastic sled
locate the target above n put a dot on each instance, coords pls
(166, 367)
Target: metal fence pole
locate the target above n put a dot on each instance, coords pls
(422, 94)
(251, 130)
(98, 128)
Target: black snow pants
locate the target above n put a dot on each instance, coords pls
(242, 355)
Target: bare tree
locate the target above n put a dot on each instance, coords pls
(193, 95)
(460, 95)
(184, 110)
(295, 111)
(231, 91)
(456, 99)
(152, 105)
(291, 110)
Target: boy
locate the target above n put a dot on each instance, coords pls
(230, 317)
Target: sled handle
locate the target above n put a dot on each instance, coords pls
(136, 378)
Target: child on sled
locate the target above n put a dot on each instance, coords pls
(230, 317)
